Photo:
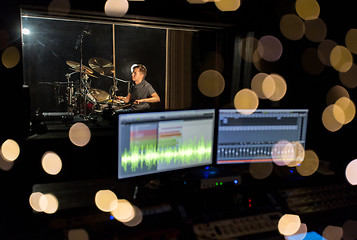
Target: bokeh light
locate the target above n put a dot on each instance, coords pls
(246, 101)
(5, 165)
(261, 170)
(289, 224)
(341, 58)
(51, 163)
(311, 62)
(270, 48)
(298, 156)
(246, 48)
(351, 40)
(59, 6)
(4, 39)
(329, 120)
(324, 51)
(10, 57)
(283, 153)
(10, 150)
(292, 27)
(332, 233)
(79, 134)
(315, 30)
(211, 83)
(351, 172)
(335, 93)
(137, 219)
(263, 85)
(116, 8)
(349, 78)
(280, 87)
(348, 108)
(34, 201)
(300, 234)
(124, 212)
(309, 165)
(349, 230)
(48, 203)
(77, 234)
(106, 200)
(227, 5)
(307, 9)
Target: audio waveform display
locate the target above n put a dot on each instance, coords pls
(191, 151)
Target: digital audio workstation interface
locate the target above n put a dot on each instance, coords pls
(250, 138)
(153, 142)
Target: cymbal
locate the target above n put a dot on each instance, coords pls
(76, 67)
(101, 65)
(99, 95)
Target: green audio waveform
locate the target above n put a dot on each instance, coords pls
(188, 152)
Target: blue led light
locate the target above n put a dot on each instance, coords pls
(111, 217)
(235, 181)
(207, 167)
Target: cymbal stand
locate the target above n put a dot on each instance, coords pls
(70, 93)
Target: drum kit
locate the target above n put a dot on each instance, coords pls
(80, 98)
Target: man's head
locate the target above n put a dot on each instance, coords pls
(138, 72)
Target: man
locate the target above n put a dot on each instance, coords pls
(141, 93)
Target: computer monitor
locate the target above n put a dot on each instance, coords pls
(154, 142)
(247, 138)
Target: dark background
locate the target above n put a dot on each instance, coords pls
(98, 159)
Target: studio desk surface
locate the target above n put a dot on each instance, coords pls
(175, 207)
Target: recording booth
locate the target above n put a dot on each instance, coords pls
(193, 167)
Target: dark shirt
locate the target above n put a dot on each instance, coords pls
(141, 91)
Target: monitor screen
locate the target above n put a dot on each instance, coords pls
(260, 136)
(153, 142)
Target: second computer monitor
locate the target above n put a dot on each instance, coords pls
(260, 136)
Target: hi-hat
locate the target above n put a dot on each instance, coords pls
(101, 66)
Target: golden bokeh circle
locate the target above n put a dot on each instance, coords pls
(211, 83)
(79, 134)
(332, 232)
(315, 30)
(307, 9)
(137, 219)
(329, 120)
(124, 212)
(341, 59)
(10, 150)
(324, 51)
(34, 201)
(351, 40)
(298, 154)
(48, 203)
(246, 101)
(349, 78)
(51, 163)
(280, 87)
(77, 234)
(335, 93)
(227, 5)
(292, 27)
(10, 57)
(263, 85)
(106, 200)
(309, 165)
(116, 8)
(289, 224)
(348, 108)
(351, 172)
